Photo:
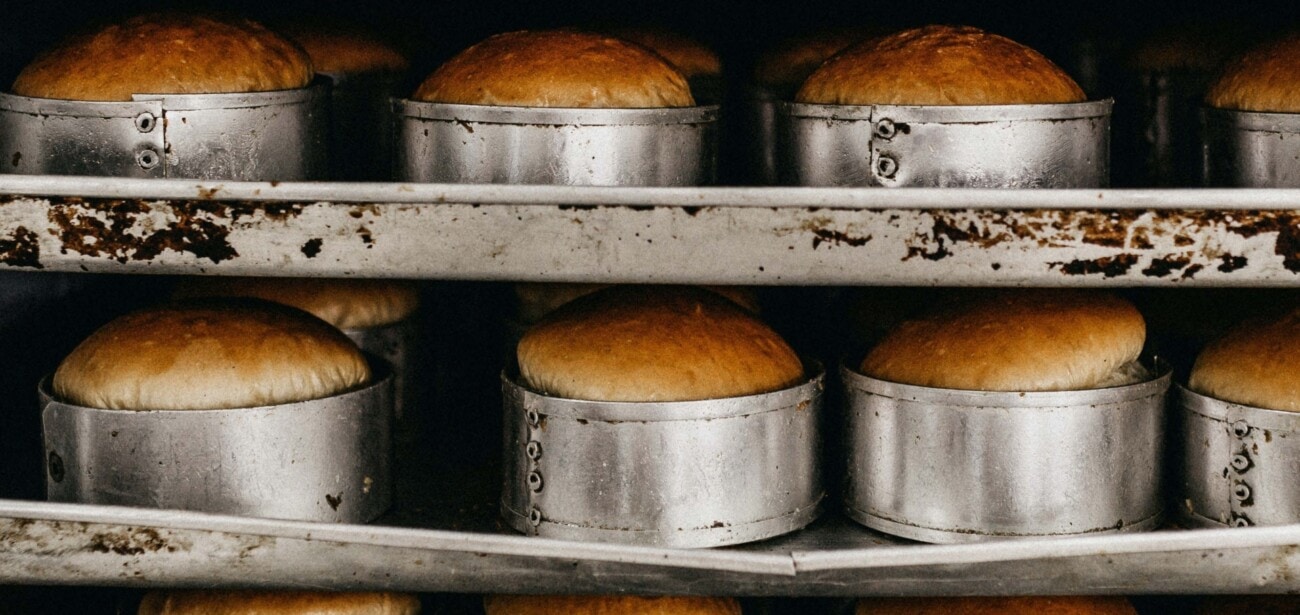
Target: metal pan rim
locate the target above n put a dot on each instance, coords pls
(493, 114)
(381, 375)
(955, 536)
(1264, 121)
(1221, 410)
(706, 537)
(673, 411)
(951, 114)
(156, 102)
(997, 400)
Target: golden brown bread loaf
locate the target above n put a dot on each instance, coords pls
(346, 304)
(166, 53)
(655, 343)
(691, 57)
(788, 64)
(939, 65)
(537, 299)
(609, 605)
(1265, 78)
(557, 68)
(210, 354)
(345, 49)
(1257, 363)
(1016, 340)
(287, 602)
(1026, 605)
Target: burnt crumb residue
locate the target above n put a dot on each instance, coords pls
(312, 247)
(1163, 267)
(828, 236)
(23, 249)
(130, 541)
(334, 500)
(1108, 267)
(1229, 263)
(108, 229)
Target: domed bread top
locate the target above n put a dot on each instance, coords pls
(1264, 79)
(1016, 340)
(788, 64)
(1024, 605)
(689, 56)
(212, 354)
(939, 65)
(557, 68)
(1256, 363)
(166, 53)
(287, 602)
(655, 343)
(342, 49)
(346, 304)
(609, 605)
(1197, 47)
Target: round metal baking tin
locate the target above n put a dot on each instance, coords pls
(979, 146)
(675, 474)
(361, 132)
(951, 466)
(1245, 149)
(279, 135)
(1159, 143)
(761, 127)
(439, 142)
(1239, 463)
(398, 344)
(326, 459)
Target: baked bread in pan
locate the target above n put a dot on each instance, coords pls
(1257, 363)
(609, 605)
(287, 602)
(345, 303)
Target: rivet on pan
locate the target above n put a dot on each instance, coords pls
(145, 122)
(56, 467)
(533, 418)
(147, 158)
(886, 167)
(534, 450)
(885, 129)
(1240, 429)
(535, 517)
(1241, 522)
(1240, 462)
(535, 481)
(1241, 492)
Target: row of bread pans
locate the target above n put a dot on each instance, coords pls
(283, 135)
(930, 464)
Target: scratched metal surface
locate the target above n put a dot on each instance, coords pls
(702, 235)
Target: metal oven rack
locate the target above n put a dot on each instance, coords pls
(442, 536)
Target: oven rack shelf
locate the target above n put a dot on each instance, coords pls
(760, 236)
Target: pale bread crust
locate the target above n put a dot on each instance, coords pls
(287, 602)
(1264, 79)
(787, 65)
(939, 65)
(609, 605)
(557, 68)
(655, 343)
(1018, 340)
(213, 354)
(340, 49)
(1255, 364)
(167, 53)
(345, 303)
(691, 57)
(1024, 605)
